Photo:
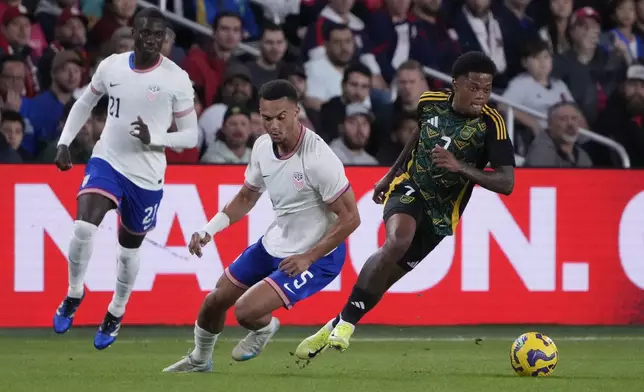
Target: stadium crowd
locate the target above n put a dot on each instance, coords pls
(358, 65)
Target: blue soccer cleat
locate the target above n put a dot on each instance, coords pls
(64, 316)
(107, 332)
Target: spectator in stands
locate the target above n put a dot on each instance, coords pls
(639, 22)
(43, 112)
(38, 40)
(479, 30)
(516, 28)
(410, 84)
(356, 84)
(354, 132)
(294, 73)
(440, 41)
(557, 146)
(48, 13)
(534, 89)
(590, 72)
(186, 155)
(206, 65)
(623, 38)
(623, 119)
(256, 125)
(277, 11)
(83, 144)
(555, 33)
(70, 34)
(232, 141)
(8, 154)
(405, 127)
(169, 49)
(236, 90)
(272, 48)
(122, 41)
(116, 13)
(12, 126)
(16, 32)
(325, 73)
(212, 8)
(339, 12)
(12, 81)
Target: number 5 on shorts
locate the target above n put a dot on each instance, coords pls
(304, 277)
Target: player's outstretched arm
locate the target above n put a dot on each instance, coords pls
(79, 114)
(346, 208)
(187, 134)
(499, 180)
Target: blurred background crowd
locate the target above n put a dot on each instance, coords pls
(357, 64)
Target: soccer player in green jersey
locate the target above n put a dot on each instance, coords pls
(426, 190)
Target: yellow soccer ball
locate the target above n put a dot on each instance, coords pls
(534, 354)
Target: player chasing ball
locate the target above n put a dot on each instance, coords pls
(128, 164)
(428, 191)
(302, 251)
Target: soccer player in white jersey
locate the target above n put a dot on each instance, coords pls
(302, 251)
(128, 164)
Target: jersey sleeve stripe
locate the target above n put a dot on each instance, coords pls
(501, 131)
(338, 194)
(433, 99)
(183, 112)
(434, 94)
(95, 91)
(252, 187)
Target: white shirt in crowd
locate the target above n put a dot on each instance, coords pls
(300, 186)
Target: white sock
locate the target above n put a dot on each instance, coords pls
(329, 325)
(80, 251)
(204, 344)
(128, 269)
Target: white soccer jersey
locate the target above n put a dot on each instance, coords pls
(300, 185)
(156, 95)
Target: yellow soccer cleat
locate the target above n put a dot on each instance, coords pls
(340, 336)
(315, 344)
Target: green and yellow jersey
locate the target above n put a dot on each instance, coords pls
(476, 141)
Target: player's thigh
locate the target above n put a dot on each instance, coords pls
(253, 265)
(404, 209)
(424, 242)
(138, 208)
(293, 289)
(225, 294)
(99, 192)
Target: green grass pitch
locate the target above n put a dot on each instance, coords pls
(387, 359)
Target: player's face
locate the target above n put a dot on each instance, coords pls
(149, 35)
(280, 119)
(471, 92)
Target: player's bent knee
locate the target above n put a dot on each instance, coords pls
(84, 231)
(396, 246)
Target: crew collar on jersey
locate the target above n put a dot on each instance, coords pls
(295, 149)
(152, 68)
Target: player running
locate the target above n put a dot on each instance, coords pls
(128, 164)
(459, 134)
(302, 251)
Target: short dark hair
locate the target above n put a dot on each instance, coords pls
(356, 68)
(477, 62)
(12, 115)
(10, 58)
(331, 27)
(225, 14)
(150, 13)
(278, 89)
(533, 47)
(270, 26)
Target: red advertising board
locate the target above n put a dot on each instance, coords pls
(566, 247)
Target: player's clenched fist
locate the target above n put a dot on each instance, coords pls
(63, 158)
(197, 242)
(445, 159)
(380, 188)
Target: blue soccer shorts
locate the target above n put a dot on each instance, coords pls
(137, 206)
(255, 264)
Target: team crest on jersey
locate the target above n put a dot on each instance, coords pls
(153, 92)
(298, 181)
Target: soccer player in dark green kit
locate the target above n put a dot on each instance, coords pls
(427, 189)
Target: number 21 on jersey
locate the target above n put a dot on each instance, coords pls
(114, 107)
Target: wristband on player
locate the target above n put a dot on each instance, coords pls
(217, 224)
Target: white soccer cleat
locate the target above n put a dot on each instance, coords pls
(253, 344)
(188, 365)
